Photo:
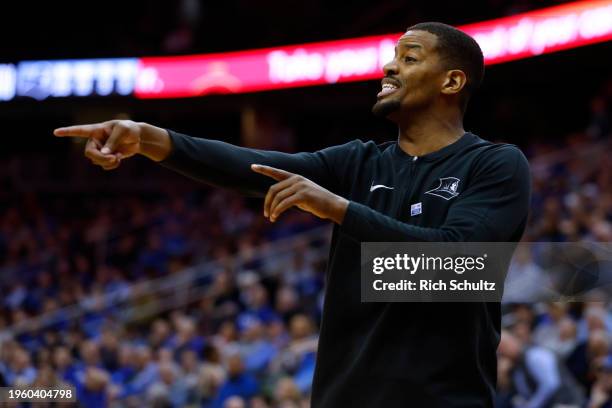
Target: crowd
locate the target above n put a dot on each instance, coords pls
(248, 333)
(557, 353)
(250, 339)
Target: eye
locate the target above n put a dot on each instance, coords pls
(409, 59)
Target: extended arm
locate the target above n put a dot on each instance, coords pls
(210, 161)
(226, 165)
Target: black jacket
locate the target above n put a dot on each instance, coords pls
(393, 354)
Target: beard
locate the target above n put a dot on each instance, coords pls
(384, 108)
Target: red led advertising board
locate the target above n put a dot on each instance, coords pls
(505, 39)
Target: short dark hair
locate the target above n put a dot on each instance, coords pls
(458, 51)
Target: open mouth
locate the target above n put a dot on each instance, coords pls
(388, 88)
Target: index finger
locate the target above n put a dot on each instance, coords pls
(80, 130)
(276, 174)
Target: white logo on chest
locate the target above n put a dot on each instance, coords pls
(447, 189)
(377, 186)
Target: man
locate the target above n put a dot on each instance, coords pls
(539, 377)
(435, 183)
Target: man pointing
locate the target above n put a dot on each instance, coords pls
(435, 183)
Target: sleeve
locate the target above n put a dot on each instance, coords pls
(225, 165)
(492, 208)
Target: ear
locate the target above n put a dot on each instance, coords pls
(454, 82)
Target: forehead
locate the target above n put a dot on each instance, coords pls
(418, 39)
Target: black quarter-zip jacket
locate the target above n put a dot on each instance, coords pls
(422, 355)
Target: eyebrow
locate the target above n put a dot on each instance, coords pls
(411, 45)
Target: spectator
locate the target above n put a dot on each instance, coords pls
(238, 382)
(20, 371)
(580, 361)
(537, 376)
(92, 389)
(169, 389)
(257, 351)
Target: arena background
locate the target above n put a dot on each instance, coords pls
(143, 288)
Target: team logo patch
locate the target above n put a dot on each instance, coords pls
(447, 188)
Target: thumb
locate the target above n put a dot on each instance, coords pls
(110, 144)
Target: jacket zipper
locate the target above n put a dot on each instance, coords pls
(405, 205)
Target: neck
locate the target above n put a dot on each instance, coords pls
(428, 132)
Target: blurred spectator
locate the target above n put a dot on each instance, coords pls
(538, 377)
(238, 382)
(92, 389)
(556, 331)
(19, 371)
(170, 389)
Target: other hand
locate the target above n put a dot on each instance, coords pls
(293, 190)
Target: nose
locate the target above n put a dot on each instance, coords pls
(390, 68)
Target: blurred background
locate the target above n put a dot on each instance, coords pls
(143, 288)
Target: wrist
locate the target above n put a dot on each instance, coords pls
(339, 207)
(155, 142)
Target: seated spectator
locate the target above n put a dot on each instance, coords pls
(20, 371)
(64, 365)
(256, 349)
(186, 337)
(92, 390)
(169, 390)
(298, 358)
(256, 299)
(189, 372)
(580, 361)
(160, 333)
(287, 302)
(146, 371)
(210, 380)
(238, 382)
(538, 378)
(126, 365)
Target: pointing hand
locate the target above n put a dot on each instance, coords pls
(293, 190)
(108, 142)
